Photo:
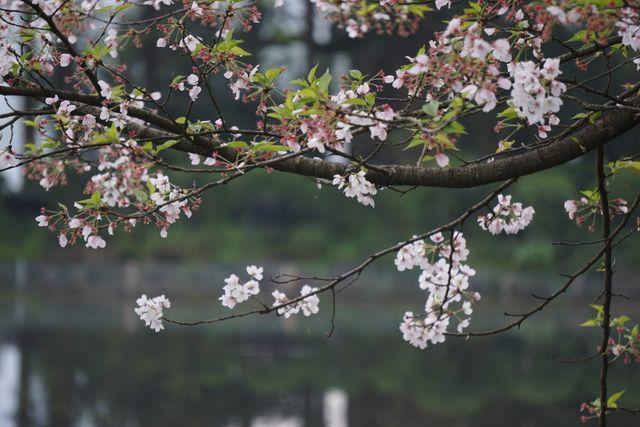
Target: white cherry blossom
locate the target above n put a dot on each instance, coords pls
(151, 311)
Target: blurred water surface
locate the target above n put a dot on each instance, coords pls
(88, 361)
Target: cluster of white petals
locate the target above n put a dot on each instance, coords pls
(506, 216)
(7, 58)
(535, 94)
(7, 160)
(412, 255)
(236, 292)
(87, 230)
(629, 28)
(192, 86)
(170, 200)
(446, 280)
(308, 305)
(157, 3)
(356, 185)
(150, 311)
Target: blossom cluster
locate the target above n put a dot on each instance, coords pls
(535, 93)
(7, 159)
(170, 200)
(336, 118)
(308, 304)
(121, 184)
(507, 216)
(151, 311)
(629, 27)
(236, 292)
(76, 227)
(445, 279)
(356, 185)
(629, 30)
(589, 207)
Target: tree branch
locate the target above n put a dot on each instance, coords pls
(609, 126)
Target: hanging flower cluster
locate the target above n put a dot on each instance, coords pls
(7, 159)
(588, 208)
(629, 27)
(308, 305)
(535, 93)
(356, 185)
(446, 280)
(151, 311)
(506, 216)
(236, 292)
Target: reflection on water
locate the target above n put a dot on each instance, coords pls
(9, 382)
(335, 408)
(82, 364)
(111, 377)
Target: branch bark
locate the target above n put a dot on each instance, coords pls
(607, 284)
(610, 125)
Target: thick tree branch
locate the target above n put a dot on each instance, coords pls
(609, 126)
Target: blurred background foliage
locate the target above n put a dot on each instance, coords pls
(276, 217)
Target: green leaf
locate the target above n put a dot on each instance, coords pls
(311, 77)
(148, 148)
(580, 116)
(92, 202)
(238, 51)
(595, 116)
(237, 144)
(308, 93)
(267, 146)
(324, 81)
(431, 108)
(620, 321)
(611, 401)
(508, 113)
(122, 7)
(415, 141)
(141, 195)
(356, 74)
(176, 79)
(355, 101)
(272, 73)
(300, 82)
(590, 322)
(630, 165)
(167, 144)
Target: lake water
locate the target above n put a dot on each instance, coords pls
(92, 363)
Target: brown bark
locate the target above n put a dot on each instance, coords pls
(610, 125)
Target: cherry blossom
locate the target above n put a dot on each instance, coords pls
(151, 311)
(490, 59)
(629, 28)
(43, 221)
(446, 280)
(236, 292)
(356, 185)
(534, 93)
(507, 216)
(308, 305)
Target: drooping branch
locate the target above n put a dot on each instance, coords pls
(356, 271)
(571, 278)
